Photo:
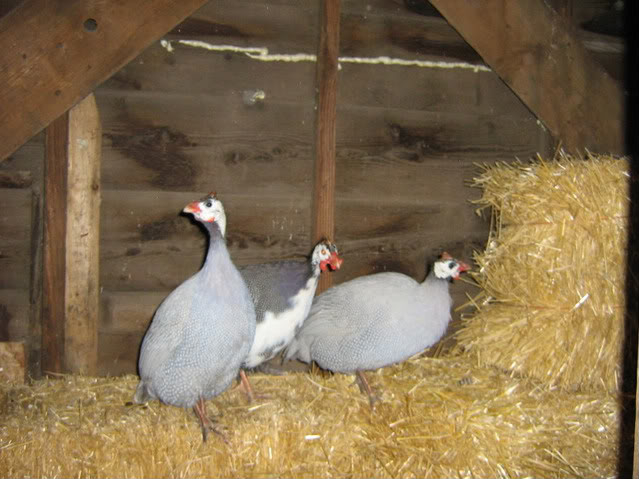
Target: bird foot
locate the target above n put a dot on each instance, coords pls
(248, 390)
(206, 423)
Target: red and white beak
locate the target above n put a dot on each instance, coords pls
(334, 262)
(193, 207)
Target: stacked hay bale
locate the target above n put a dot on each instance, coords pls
(552, 275)
(437, 418)
(531, 391)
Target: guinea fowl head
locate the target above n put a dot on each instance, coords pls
(326, 256)
(447, 267)
(208, 210)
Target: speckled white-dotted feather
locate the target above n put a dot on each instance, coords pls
(376, 320)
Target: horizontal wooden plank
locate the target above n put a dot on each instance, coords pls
(269, 150)
(191, 117)
(125, 312)
(196, 71)
(421, 136)
(118, 353)
(366, 30)
(14, 314)
(280, 26)
(15, 231)
(269, 167)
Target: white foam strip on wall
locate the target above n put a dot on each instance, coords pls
(262, 54)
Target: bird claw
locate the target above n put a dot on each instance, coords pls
(366, 388)
(219, 430)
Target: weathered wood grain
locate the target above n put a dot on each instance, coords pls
(34, 342)
(82, 241)
(146, 148)
(147, 244)
(535, 51)
(71, 241)
(125, 311)
(54, 251)
(118, 353)
(15, 222)
(323, 209)
(79, 44)
(197, 71)
(279, 26)
(15, 179)
(14, 315)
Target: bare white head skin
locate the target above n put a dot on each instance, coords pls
(446, 267)
(325, 255)
(208, 210)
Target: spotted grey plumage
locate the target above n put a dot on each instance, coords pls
(202, 331)
(376, 320)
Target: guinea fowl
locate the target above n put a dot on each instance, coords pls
(283, 292)
(376, 320)
(202, 331)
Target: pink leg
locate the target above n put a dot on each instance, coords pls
(205, 422)
(246, 385)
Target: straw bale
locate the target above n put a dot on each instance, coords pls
(552, 275)
(439, 417)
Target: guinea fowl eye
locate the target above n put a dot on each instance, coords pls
(452, 265)
(323, 252)
(208, 204)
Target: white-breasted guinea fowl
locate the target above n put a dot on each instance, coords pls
(202, 331)
(283, 292)
(376, 320)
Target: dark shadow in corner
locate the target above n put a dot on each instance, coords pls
(629, 371)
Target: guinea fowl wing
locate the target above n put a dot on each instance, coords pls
(272, 284)
(348, 321)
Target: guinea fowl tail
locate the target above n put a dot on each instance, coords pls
(141, 394)
(298, 350)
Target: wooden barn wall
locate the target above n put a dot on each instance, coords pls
(178, 124)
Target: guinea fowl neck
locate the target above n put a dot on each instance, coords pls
(217, 251)
(432, 281)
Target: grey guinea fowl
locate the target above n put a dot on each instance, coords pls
(202, 331)
(283, 292)
(376, 320)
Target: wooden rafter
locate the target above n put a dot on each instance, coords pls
(536, 52)
(55, 52)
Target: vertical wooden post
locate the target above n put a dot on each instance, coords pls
(54, 251)
(326, 81)
(34, 345)
(70, 309)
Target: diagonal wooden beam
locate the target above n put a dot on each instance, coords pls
(55, 52)
(537, 54)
